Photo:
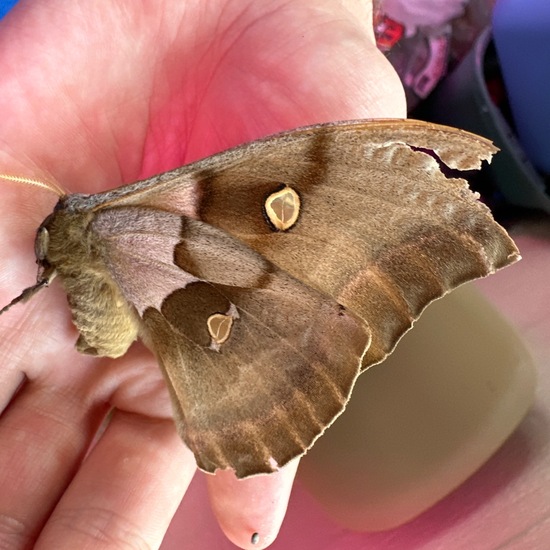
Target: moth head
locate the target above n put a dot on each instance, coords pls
(46, 273)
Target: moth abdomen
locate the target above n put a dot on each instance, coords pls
(107, 323)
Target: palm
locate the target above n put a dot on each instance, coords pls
(95, 99)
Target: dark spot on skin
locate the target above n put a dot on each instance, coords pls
(255, 538)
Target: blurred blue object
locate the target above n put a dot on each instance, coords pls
(463, 99)
(6, 6)
(521, 31)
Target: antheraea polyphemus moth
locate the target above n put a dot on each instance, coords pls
(267, 277)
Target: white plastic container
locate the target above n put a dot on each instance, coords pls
(424, 420)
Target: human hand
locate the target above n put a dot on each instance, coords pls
(94, 99)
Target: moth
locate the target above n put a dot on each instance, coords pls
(266, 278)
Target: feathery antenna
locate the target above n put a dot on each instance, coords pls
(48, 185)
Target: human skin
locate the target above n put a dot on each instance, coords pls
(92, 99)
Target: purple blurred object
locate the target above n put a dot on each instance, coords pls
(521, 32)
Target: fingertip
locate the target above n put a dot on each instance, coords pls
(250, 511)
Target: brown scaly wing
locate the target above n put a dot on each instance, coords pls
(255, 392)
(379, 227)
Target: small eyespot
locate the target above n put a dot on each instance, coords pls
(219, 327)
(283, 208)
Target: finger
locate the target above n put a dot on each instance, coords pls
(23, 350)
(250, 511)
(10, 380)
(127, 489)
(44, 435)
